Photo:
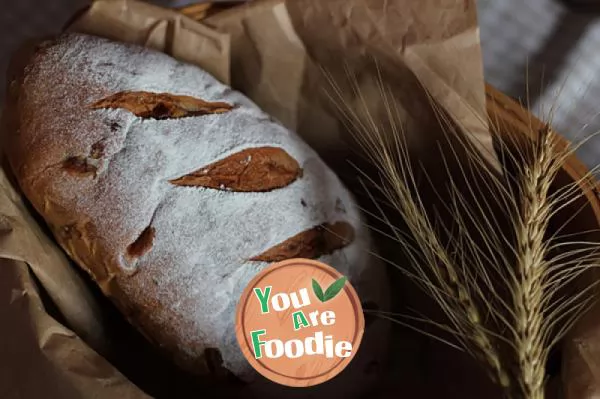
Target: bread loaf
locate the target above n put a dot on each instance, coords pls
(172, 190)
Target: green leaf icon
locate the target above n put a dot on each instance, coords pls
(334, 289)
(331, 292)
(318, 290)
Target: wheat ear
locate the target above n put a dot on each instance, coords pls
(532, 265)
(496, 286)
(448, 288)
(435, 267)
(536, 266)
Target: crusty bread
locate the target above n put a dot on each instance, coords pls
(173, 191)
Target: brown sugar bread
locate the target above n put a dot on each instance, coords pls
(172, 191)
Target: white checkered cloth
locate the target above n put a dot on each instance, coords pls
(555, 50)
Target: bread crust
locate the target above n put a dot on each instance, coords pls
(173, 258)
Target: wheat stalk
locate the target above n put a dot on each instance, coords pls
(443, 282)
(529, 289)
(447, 288)
(468, 276)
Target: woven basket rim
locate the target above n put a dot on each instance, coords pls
(508, 111)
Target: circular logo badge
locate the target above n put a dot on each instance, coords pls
(299, 322)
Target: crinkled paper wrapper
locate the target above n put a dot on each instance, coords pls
(54, 325)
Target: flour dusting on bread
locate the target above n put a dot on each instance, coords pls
(175, 258)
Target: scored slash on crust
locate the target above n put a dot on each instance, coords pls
(310, 244)
(161, 105)
(251, 170)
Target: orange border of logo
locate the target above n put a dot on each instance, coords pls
(274, 375)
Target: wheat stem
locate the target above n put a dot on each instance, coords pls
(449, 282)
(444, 283)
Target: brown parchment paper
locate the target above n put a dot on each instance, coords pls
(21, 239)
(41, 358)
(279, 48)
(161, 29)
(274, 51)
